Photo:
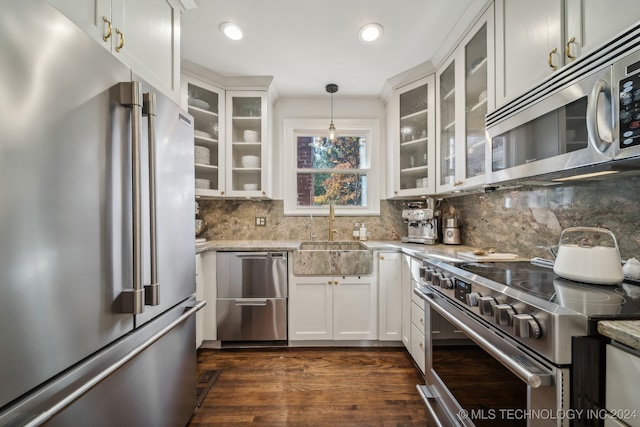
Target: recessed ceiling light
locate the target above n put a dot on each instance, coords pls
(370, 32)
(230, 30)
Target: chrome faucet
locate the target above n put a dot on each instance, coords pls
(331, 218)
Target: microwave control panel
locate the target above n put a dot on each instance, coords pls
(630, 111)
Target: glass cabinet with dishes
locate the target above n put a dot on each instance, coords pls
(465, 95)
(446, 176)
(412, 128)
(247, 143)
(205, 103)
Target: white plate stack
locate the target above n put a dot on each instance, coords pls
(204, 184)
(250, 161)
(202, 155)
(250, 136)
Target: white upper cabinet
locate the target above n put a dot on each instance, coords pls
(205, 103)
(534, 39)
(412, 112)
(143, 34)
(247, 138)
(465, 93)
(528, 44)
(590, 23)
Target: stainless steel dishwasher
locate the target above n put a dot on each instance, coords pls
(252, 296)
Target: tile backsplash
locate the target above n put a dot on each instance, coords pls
(511, 220)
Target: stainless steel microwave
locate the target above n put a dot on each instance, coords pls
(584, 121)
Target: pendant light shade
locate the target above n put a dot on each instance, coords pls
(332, 88)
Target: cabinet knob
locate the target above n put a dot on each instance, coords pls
(107, 36)
(381, 256)
(567, 48)
(421, 346)
(457, 183)
(121, 43)
(550, 59)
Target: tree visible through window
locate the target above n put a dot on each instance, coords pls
(331, 172)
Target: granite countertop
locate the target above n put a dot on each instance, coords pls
(624, 331)
(413, 249)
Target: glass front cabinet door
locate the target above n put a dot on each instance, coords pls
(465, 95)
(247, 144)
(413, 136)
(206, 104)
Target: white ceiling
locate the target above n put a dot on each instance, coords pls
(306, 44)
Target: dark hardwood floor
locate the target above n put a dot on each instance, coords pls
(311, 387)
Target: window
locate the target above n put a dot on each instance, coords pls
(342, 172)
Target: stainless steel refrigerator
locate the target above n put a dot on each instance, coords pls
(97, 270)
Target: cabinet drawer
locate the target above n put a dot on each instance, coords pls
(417, 317)
(417, 347)
(416, 299)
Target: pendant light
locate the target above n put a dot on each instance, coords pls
(332, 88)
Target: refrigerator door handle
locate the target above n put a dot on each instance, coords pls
(98, 378)
(133, 299)
(152, 290)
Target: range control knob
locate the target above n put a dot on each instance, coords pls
(486, 305)
(435, 279)
(503, 314)
(526, 326)
(428, 275)
(446, 283)
(472, 298)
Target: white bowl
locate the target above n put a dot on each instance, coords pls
(250, 136)
(202, 155)
(203, 183)
(251, 187)
(250, 161)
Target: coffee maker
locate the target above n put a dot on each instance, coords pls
(422, 223)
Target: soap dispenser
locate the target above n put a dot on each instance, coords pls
(363, 232)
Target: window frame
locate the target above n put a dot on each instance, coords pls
(369, 128)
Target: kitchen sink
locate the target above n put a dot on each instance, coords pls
(332, 259)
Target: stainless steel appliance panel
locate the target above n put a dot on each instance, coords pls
(626, 102)
(544, 382)
(557, 133)
(252, 275)
(64, 196)
(175, 211)
(160, 386)
(144, 378)
(252, 319)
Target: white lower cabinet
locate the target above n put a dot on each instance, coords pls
(332, 308)
(406, 291)
(389, 296)
(417, 333)
(209, 293)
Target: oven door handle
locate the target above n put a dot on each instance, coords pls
(533, 379)
(426, 396)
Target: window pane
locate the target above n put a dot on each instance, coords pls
(317, 189)
(346, 152)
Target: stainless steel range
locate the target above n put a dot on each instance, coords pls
(523, 316)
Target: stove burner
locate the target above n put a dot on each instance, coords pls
(588, 299)
(534, 288)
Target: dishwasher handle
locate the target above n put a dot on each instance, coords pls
(251, 302)
(260, 255)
